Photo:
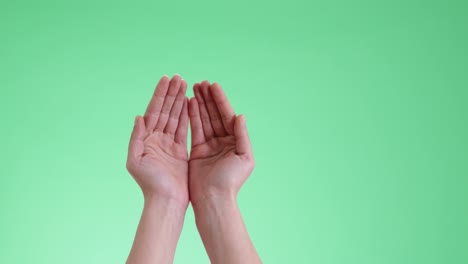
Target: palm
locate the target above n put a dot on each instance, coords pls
(163, 156)
(220, 158)
(212, 162)
(158, 147)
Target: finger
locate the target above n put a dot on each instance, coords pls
(243, 145)
(154, 107)
(174, 115)
(215, 117)
(224, 107)
(204, 116)
(198, 136)
(182, 126)
(136, 145)
(169, 99)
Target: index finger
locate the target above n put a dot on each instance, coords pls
(225, 109)
(155, 105)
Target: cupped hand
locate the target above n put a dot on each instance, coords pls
(221, 157)
(157, 154)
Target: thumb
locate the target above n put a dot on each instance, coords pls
(243, 145)
(136, 146)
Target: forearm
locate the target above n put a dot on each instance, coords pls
(223, 231)
(158, 232)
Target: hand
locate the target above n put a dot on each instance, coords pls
(157, 153)
(221, 157)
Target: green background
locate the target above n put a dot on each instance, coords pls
(357, 112)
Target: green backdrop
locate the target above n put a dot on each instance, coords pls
(357, 112)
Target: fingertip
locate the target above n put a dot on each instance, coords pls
(240, 127)
(192, 103)
(214, 86)
(241, 118)
(176, 78)
(198, 92)
(139, 120)
(139, 126)
(217, 91)
(205, 90)
(196, 86)
(164, 80)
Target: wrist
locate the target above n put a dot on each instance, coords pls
(153, 200)
(214, 202)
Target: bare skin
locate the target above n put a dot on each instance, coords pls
(158, 161)
(221, 160)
